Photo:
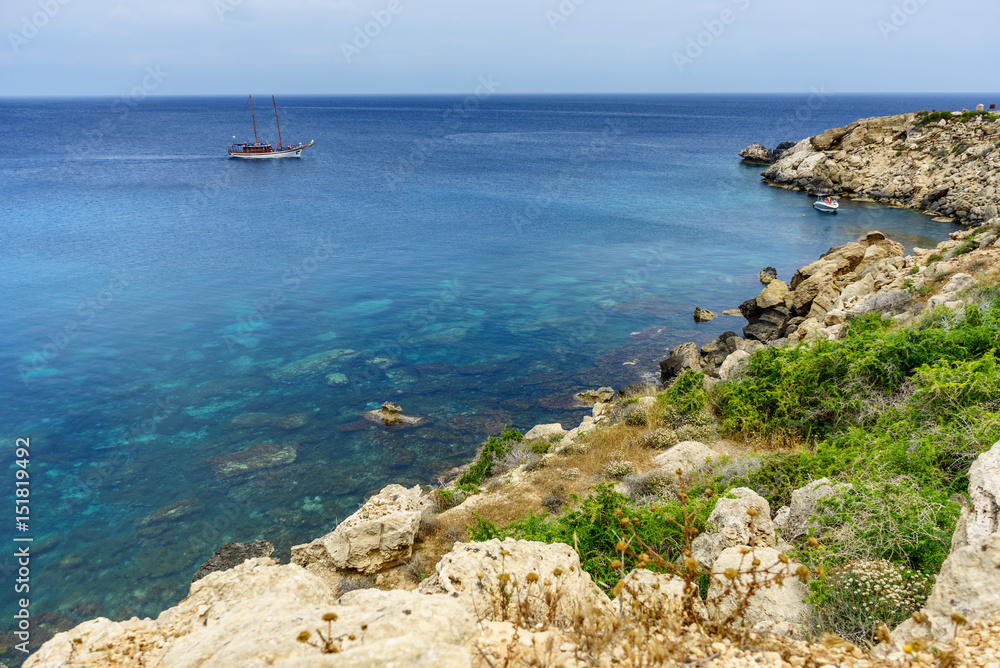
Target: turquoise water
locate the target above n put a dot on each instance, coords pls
(477, 270)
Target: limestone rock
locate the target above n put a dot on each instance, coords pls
(957, 284)
(391, 415)
(717, 350)
(703, 315)
(459, 573)
(732, 364)
(593, 397)
(805, 501)
(745, 520)
(767, 324)
(652, 591)
(777, 607)
(252, 615)
(968, 584)
(983, 517)
(683, 357)
(232, 555)
(773, 295)
(756, 154)
(768, 274)
(688, 456)
(540, 431)
(378, 535)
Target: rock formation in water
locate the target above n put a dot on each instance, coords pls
(948, 165)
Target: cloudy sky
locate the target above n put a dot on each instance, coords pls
(104, 47)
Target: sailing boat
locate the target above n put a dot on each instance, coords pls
(259, 151)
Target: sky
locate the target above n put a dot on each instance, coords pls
(216, 47)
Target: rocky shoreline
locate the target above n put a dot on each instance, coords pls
(361, 596)
(941, 163)
(245, 609)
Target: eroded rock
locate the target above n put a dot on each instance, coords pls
(459, 573)
(378, 535)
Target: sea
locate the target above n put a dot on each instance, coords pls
(476, 260)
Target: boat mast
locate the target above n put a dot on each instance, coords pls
(276, 120)
(253, 120)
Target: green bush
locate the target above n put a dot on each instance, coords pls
(686, 394)
(493, 450)
(861, 595)
(596, 527)
(925, 118)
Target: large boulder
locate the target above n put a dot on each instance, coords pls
(968, 585)
(718, 349)
(651, 591)
(780, 608)
(755, 154)
(981, 519)
(732, 365)
(232, 555)
(377, 536)
(950, 291)
(477, 574)
(544, 431)
(682, 358)
(766, 324)
(773, 294)
(601, 395)
(253, 614)
(796, 521)
(743, 520)
(688, 456)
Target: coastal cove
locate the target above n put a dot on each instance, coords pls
(192, 343)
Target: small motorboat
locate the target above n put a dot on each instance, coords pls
(826, 204)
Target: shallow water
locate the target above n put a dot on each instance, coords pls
(157, 293)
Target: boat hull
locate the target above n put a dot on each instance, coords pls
(825, 208)
(295, 152)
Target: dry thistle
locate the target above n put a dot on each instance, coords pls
(783, 558)
(813, 542)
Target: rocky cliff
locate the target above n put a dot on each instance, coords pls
(940, 163)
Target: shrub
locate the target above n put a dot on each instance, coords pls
(861, 595)
(493, 450)
(617, 468)
(658, 439)
(595, 528)
(686, 394)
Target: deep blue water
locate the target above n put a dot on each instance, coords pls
(479, 268)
